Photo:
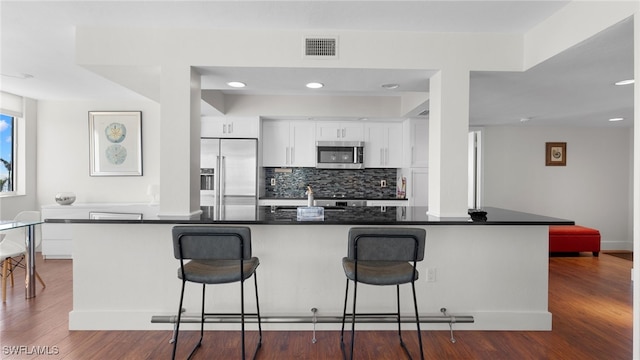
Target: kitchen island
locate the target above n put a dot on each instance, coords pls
(495, 270)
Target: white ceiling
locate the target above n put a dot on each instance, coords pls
(37, 38)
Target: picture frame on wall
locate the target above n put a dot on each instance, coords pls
(115, 143)
(556, 154)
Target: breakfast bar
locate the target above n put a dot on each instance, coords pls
(493, 269)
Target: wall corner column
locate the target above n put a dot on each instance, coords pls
(180, 142)
(448, 142)
(636, 184)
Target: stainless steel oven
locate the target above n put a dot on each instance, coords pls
(340, 155)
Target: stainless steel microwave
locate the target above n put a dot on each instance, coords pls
(340, 155)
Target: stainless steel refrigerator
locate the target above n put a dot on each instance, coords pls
(228, 178)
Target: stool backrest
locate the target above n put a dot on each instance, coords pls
(386, 244)
(211, 242)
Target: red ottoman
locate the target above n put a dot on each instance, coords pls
(573, 238)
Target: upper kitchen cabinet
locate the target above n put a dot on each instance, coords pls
(288, 143)
(339, 131)
(417, 146)
(383, 145)
(230, 127)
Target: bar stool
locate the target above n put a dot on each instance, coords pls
(382, 256)
(218, 255)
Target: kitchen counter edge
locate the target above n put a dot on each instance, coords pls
(495, 216)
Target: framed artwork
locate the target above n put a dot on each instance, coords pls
(556, 154)
(115, 143)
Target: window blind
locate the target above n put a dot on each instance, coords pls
(11, 104)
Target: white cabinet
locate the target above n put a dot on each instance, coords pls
(282, 202)
(339, 131)
(230, 127)
(387, 202)
(288, 143)
(417, 149)
(275, 143)
(57, 238)
(383, 145)
(419, 187)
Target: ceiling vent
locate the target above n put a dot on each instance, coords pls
(321, 47)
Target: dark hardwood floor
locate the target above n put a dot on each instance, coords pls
(590, 298)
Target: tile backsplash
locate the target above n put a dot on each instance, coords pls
(292, 183)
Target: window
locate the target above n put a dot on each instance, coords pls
(7, 153)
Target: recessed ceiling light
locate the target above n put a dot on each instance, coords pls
(616, 119)
(315, 85)
(236, 84)
(390, 86)
(525, 119)
(625, 82)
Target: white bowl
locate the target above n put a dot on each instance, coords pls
(65, 198)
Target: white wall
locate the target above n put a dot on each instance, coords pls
(63, 153)
(593, 189)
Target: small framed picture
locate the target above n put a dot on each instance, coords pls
(556, 154)
(115, 143)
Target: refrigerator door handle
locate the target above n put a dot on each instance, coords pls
(218, 189)
(223, 174)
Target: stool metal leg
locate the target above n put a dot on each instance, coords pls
(242, 311)
(344, 317)
(398, 317)
(177, 328)
(415, 305)
(242, 317)
(404, 346)
(201, 323)
(353, 318)
(255, 281)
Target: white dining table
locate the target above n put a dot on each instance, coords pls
(30, 266)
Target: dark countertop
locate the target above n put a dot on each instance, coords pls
(365, 215)
(333, 198)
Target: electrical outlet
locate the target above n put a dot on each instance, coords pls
(431, 275)
(273, 181)
(383, 183)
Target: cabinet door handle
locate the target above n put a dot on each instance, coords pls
(230, 126)
(338, 133)
(344, 132)
(224, 128)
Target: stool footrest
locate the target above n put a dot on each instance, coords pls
(370, 318)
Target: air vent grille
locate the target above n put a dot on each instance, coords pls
(424, 113)
(320, 46)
